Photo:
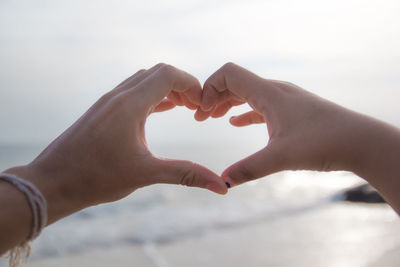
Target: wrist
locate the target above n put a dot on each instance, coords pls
(378, 144)
(379, 158)
(61, 197)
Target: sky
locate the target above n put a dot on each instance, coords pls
(58, 57)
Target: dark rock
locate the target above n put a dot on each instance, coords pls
(363, 193)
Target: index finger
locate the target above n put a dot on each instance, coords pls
(166, 79)
(239, 82)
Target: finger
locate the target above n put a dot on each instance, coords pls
(127, 84)
(164, 105)
(176, 98)
(193, 95)
(247, 118)
(218, 111)
(238, 81)
(106, 97)
(154, 88)
(221, 109)
(187, 102)
(211, 97)
(262, 163)
(135, 79)
(201, 115)
(189, 174)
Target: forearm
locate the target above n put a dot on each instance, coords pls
(15, 213)
(380, 160)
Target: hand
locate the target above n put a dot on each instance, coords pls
(104, 157)
(305, 131)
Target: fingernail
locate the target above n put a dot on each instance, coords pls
(228, 182)
(215, 187)
(206, 108)
(205, 105)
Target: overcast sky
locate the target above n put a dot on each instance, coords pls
(58, 57)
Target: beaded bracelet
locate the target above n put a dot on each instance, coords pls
(38, 206)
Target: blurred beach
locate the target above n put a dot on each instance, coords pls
(286, 219)
(58, 57)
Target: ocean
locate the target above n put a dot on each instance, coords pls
(301, 214)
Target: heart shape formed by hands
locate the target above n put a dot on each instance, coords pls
(230, 86)
(105, 151)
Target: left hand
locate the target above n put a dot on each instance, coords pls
(103, 156)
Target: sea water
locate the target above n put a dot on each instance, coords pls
(162, 214)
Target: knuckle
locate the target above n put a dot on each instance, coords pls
(159, 65)
(229, 67)
(168, 72)
(166, 68)
(107, 96)
(103, 100)
(123, 101)
(290, 84)
(119, 100)
(188, 177)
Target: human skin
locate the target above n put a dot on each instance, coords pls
(103, 156)
(306, 132)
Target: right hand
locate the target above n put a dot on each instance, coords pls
(305, 131)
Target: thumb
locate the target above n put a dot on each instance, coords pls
(189, 174)
(262, 163)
